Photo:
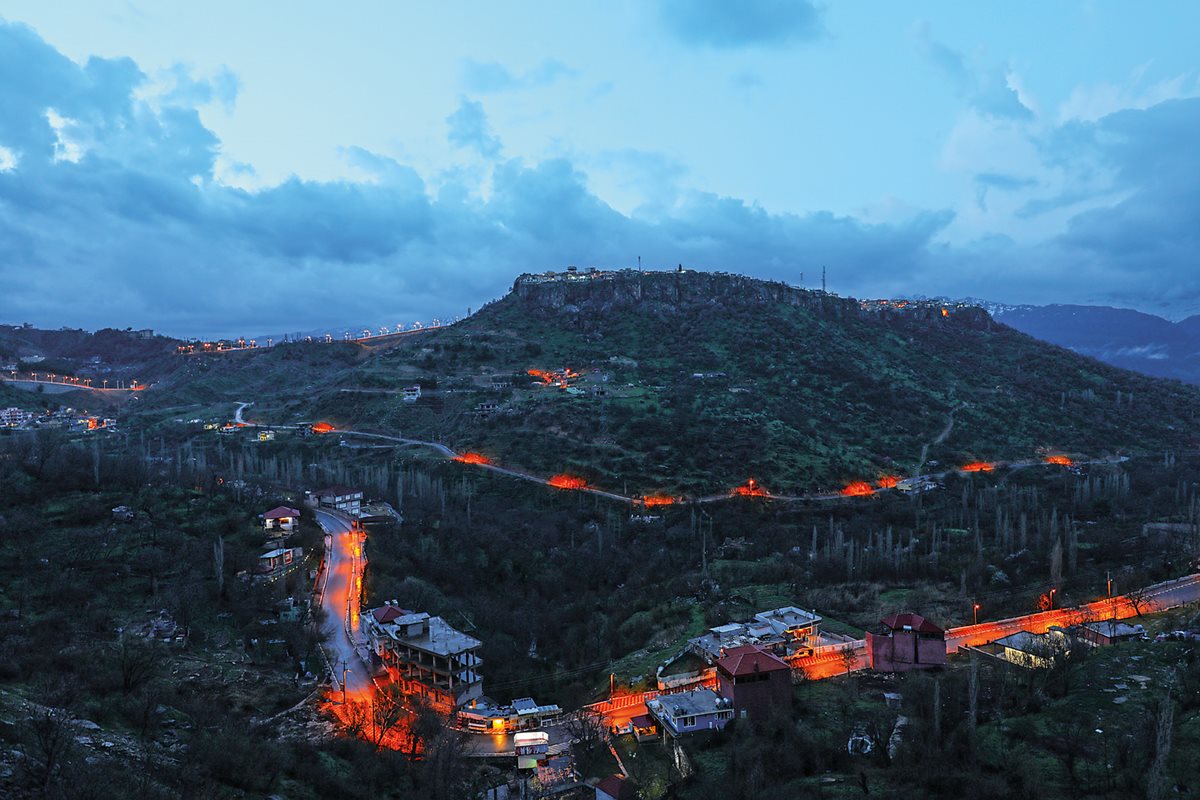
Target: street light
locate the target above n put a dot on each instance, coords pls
(1052, 591)
(976, 610)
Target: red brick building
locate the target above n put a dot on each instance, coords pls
(906, 641)
(755, 681)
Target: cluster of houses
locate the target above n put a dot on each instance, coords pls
(788, 633)
(429, 659)
(745, 669)
(279, 523)
(1039, 650)
(67, 418)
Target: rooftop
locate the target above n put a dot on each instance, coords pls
(1113, 628)
(1028, 642)
(281, 512)
(748, 659)
(338, 491)
(689, 704)
(910, 622)
(436, 635)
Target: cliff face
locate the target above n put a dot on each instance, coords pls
(669, 293)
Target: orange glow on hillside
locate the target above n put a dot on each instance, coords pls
(322, 427)
(945, 312)
(858, 489)
(551, 378)
(472, 458)
(979, 466)
(887, 482)
(659, 500)
(92, 424)
(1060, 460)
(751, 488)
(565, 481)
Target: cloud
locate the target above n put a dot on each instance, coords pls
(985, 181)
(469, 129)
(990, 90)
(484, 77)
(185, 90)
(748, 23)
(141, 229)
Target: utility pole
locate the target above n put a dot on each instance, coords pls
(822, 277)
(344, 671)
(1108, 573)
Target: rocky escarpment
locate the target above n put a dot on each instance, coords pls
(601, 293)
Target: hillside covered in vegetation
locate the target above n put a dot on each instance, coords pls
(693, 382)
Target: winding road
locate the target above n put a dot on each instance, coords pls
(636, 500)
(340, 588)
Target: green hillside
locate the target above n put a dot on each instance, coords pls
(693, 382)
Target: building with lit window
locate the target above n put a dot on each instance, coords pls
(341, 498)
(426, 657)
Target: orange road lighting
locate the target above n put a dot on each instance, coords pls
(1060, 460)
(472, 458)
(751, 488)
(979, 466)
(858, 489)
(564, 481)
(887, 482)
(659, 500)
(322, 427)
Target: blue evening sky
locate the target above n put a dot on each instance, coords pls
(230, 168)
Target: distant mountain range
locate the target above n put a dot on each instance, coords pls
(1119, 336)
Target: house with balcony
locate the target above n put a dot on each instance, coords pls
(341, 498)
(426, 657)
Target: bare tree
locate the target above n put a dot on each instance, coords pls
(1138, 600)
(47, 742)
(848, 657)
(219, 564)
(387, 713)
(138, 660)
(1157, 784)
(587, 729)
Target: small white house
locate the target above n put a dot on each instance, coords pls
(282, 519)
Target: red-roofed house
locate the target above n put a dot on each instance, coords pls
(906, 641)
(282, 518)
(615, 787)
(385, 614)
(754, 680)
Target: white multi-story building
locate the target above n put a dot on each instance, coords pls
(14, 417)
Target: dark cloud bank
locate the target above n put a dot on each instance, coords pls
(126, 225)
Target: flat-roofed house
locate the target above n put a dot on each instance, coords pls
(426, 656)
(690, 711)
(341, 498)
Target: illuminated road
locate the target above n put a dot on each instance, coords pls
(339, 598)
(448, 452)
(1159, 597)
